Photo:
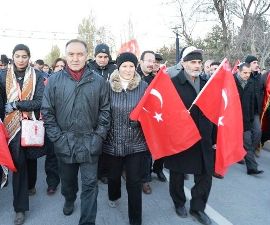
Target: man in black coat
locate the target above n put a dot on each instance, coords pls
(76, 113)
(245, 88)
(256, 77)
(198, 159)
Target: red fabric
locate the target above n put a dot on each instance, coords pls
(77, 75)
(130, 46)
(235, 68)
(220, 103)
(266, 99)
(5, 157)
(166, 123)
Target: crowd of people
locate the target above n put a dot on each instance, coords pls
(85, 105)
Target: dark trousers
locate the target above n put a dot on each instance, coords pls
(51, 165)
(199, 192)
(133, 167)
(69, 187)
(25, 177)
(256, 132)
(250, 156)
(147, 167)
(102, 166)
(158, 165)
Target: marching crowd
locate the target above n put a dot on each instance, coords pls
(85, 105)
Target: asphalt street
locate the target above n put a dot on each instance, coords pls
(237, 199)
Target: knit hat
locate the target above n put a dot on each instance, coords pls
(102, 48)
(191, 53)
(251, 58)
(126, 57)
(4, 59)
(21, 47)
(158, 57)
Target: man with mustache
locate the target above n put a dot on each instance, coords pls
(198, 159)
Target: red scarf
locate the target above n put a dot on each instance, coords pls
(76, 75)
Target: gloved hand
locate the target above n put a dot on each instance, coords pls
(10, 107)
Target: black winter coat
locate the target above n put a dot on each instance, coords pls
(199, 158)
(2, 105)
(105, 71)
(247, 102)
(125, 136)
(76, 115)
(258, 89)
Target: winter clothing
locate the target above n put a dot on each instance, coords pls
(125, 136)
(81, 110)
(102, 48)
(103, 71)
(126, 57)
(198, 159)
(250, 59)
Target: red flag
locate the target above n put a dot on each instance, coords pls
(166, 123)
(266, 100)
(5, 157)
(130, 46)
(219, 101)
(235, 67)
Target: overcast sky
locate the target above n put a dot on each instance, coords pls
(152, 21)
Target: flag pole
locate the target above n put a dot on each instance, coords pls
(205, 86)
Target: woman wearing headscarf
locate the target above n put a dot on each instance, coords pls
(23, 92)
(125, 145)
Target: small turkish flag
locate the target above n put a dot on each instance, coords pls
(220, 103)
(166, 123)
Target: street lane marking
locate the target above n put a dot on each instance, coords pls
(213, 214)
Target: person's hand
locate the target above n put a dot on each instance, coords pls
(10, 107)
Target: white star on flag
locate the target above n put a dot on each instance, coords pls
(158, 116)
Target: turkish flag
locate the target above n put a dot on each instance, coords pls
(5, 157)
(219, 101)
(266, 99)
(235, 67)
(130, 46)
(166, 123)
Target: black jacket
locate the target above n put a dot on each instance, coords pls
(2, 104)
(76, 115)
(125, 136)
(105, 71)
(247, 102)
(258, 91)
(199, 158)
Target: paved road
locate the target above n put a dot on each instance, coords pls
(237, 199)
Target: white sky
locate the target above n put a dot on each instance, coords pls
(152, 21)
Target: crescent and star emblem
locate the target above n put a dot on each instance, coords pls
(157, 116)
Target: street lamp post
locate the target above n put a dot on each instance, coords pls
(175, 30)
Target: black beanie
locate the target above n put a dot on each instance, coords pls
(102, 48)
(4, 59)
(250, 59)
(126, 57)
(21, 47)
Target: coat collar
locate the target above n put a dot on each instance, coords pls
(182, 79)
(116, 83)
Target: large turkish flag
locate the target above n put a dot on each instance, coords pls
(219, 101)
(166, 123)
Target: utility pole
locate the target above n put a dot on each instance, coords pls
(175, 30)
